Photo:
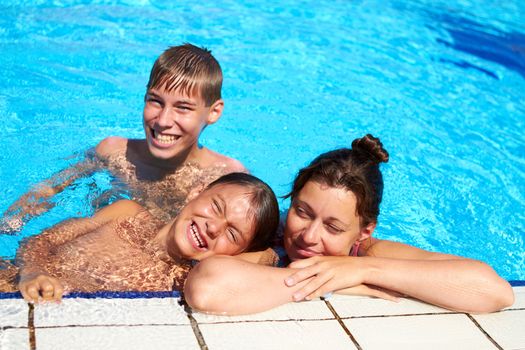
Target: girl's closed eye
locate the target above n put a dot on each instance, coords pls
(233, 235)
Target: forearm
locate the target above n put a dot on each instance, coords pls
(225, 285)
(456, 284)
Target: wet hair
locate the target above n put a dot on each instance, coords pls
(355, 169)
(189, 69)
(264, 204)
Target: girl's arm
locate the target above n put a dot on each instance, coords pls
(231, 286)
(448, 281)
(34, 280)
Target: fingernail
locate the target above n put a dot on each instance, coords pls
(288, 281)
(297, 297)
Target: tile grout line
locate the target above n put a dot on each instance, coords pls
(31, 326)
(484, 332)
(341, 323)
(194, 325)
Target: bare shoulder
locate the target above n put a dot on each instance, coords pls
(230, 165)
(111, 145)
(118, 209)
(396, 250)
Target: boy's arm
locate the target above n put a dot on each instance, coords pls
(36, 201)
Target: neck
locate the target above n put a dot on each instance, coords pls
(161, 241)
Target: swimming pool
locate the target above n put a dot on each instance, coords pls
(440, 83)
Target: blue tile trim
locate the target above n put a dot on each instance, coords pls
(107, 295)
(517, 283)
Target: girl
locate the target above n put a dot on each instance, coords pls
(123, 247)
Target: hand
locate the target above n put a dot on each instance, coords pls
(40, 287)
(326, 274)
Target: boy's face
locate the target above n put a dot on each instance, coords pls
(217, 221)
(174, 121)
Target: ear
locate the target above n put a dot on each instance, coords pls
(215, 112)
(195, 192)
(367, 231)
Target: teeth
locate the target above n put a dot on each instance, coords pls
(196, 236)
(166, 139)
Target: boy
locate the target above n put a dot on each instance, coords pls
(183, 96)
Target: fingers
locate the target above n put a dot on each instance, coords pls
(41, 288)
(301, 275)
(300, 264)
(316, 287)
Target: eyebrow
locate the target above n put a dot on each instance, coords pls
(330, 218)
(182, 100)
(223, 202)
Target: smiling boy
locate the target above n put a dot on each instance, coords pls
(167, 167)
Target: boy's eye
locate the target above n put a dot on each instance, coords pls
(183, 108)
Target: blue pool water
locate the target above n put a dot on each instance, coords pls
(442, 83)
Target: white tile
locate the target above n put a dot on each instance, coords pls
(116, 338)
(308, 310)
(302, 335)
(519, 298)
(507, 328)
(445, 331)
(347, 306)
(13, 313)
(14, 339)
(78, 311)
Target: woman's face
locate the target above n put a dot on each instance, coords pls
(322, 220)
(218, 221)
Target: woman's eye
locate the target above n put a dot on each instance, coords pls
(334, 229)
(301, 212)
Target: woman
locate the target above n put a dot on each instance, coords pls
(334, 208)
(125, 248)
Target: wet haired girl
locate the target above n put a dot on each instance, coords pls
(125, 248)
(327, 236)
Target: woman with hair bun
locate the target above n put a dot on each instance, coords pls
(328, 239)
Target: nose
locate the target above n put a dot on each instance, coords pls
(312, 233)
(166, 118)
(215, 227)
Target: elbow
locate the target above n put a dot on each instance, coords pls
(500, 296)
(505, 297)
(203, 290)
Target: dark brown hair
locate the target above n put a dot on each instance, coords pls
(355, 169)
(265, 208)
(189, 69)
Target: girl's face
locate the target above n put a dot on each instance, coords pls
(218, 221)
(322, 220)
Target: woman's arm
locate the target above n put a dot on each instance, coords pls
(448, 281)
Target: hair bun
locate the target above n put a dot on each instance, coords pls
(371, 148)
